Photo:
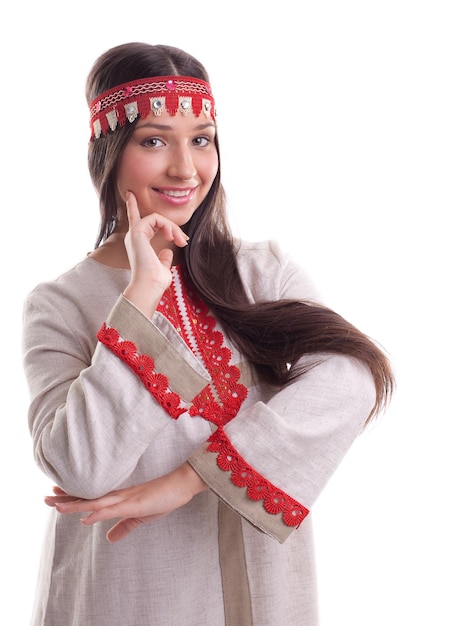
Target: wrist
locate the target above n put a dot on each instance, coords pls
(144, 299)
(191, 480)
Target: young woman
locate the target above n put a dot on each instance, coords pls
(190, 396)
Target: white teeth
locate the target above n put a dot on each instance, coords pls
(177, 193)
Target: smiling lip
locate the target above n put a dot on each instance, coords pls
(176, 196)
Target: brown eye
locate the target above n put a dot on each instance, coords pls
(201, 141)
(152, 142)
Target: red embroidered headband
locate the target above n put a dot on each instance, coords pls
(150, 95)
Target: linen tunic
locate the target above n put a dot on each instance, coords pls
(151, 394)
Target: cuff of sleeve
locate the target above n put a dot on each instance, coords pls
(185, 374)
(244, 490)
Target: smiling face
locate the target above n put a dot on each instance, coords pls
(169, 163)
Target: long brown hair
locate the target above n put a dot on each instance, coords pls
(273, 336)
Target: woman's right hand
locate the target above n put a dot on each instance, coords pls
(151, 274)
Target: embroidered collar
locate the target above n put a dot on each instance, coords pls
(221, 400)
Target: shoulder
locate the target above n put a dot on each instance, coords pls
(259, 250)
(87, 285)
(269, 272)
(260, 258)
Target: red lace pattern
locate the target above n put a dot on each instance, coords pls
(258, 488)
(144, 368)
(218, 402)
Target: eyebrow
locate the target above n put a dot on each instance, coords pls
(167, 127)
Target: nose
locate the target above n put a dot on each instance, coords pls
(182, 163)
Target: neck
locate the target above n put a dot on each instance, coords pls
(114, 254)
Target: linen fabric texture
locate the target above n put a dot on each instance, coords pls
(222, 559)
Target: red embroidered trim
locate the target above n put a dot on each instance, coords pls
(143, 366)
(200, 334)
(258, 488)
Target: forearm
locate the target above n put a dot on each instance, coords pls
(91, 440)
(191, 480)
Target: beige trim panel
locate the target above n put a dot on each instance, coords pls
(186, 375)
(235, 583)
(219, 481)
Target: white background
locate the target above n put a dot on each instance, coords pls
(340, 129)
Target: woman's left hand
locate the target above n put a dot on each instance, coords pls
(135, 505)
